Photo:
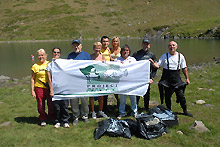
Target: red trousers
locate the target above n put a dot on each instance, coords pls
(42, 94)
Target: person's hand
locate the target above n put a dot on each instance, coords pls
(150, 81)
(187, 81)
(122, 62)
(151, 61)
(51, 93)
(33, 94)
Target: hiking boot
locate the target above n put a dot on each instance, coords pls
(188, 114)
(57, 125)
(66, 125)
(94, 115)
(75, 122)
(85, 118)
(102, 114)
(43, 123)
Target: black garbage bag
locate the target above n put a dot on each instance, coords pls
(164, 114)
(113, 128)
(150, 127)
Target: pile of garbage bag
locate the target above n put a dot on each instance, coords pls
(147, 125)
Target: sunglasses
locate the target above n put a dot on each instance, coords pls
(56, 52)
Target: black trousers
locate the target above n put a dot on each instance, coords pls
(179, 94)
(61, 111)
(146, 99)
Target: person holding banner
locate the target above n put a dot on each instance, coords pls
(61, 106)
(146, 54)
(77, 111)
(39, 87)
(115, 53)
(171, 81)
(126, 59)
(98, 57)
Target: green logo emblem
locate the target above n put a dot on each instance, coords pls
(103, 78)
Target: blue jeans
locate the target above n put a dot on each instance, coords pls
(123, 103)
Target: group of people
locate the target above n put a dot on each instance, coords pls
(42, 89)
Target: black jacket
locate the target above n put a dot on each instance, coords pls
(142, 55)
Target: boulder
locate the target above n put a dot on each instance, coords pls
(199, 126)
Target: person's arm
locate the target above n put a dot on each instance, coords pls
(185, 72)
(50, 83)
(154, 64)
(103, 59)
(33, 76)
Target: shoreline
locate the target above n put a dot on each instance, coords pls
(98, 38)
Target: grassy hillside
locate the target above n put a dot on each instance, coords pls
(65, 19)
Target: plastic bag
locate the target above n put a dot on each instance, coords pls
(113, 128)
(150, 127)
(164, 114)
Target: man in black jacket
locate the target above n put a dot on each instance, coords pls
(146, 54)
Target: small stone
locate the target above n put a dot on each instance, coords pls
(199, 126)
(211, 89)
(5, 123)
(179, 132)
(200, 102)
(1, 102)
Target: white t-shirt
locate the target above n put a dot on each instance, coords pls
(128, 60)
(173, 61)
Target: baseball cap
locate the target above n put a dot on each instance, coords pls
(146, 41)
(76, 41)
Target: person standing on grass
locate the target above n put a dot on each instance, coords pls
(106, 51)
(171, 81)
(146, 54)
(39, 87)
(61, 106)
(126, 59)
(98, 57)
(115, 53)
(77, 111)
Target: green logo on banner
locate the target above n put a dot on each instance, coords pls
(103, 78)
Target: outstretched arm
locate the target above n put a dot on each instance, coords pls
(185, 72)
(154, 64)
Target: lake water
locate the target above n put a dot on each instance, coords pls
(16, 61)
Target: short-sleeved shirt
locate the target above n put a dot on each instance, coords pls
(173, 61)
(41, 76)
(128, 60)
(106, 53)
(80, 56)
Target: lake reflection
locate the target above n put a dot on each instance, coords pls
(16, 61)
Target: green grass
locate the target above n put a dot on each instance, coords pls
(36, 19)
(20, 109)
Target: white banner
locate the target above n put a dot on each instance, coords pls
(89, 78)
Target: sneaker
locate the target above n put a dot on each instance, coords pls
(120, 117)
(85, 118)
(102, 114)
(94, 115)
(57, 125)
(188, 114)
(134, 115)
(66, 125)
(43, 123)
(75, 122)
